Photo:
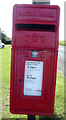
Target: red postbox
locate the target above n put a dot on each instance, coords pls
(34, 51)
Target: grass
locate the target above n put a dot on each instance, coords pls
(59, 97)
(63, 43)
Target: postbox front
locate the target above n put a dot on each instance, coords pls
(34, 53)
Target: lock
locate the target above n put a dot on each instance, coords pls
(35, 54)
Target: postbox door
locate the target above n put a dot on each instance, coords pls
(27, 102)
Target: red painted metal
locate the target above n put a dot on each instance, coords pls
(35, 28)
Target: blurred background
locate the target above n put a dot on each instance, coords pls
(6, 13)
